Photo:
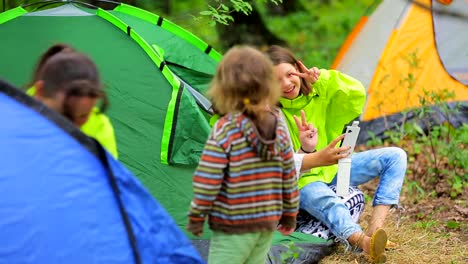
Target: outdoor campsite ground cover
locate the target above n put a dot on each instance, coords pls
(433, 227)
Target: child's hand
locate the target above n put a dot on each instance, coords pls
(198, 234)
(310, 75)
(196, 228)
(326, 156)
(308, 135)
(285, 231)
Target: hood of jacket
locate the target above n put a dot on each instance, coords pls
(266, 148)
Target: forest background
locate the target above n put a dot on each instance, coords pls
(432, 227)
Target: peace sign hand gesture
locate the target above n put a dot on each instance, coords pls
(307, 133)
(310, 75)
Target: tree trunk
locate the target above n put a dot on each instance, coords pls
(285, 8)
(246, 29)
(165, 6)
(10, 4)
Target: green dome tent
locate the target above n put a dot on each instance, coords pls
(138, 61)
(155, 75)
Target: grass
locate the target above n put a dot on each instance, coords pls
(428, 241)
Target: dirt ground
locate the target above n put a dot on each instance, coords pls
(433, 240)
(431, 228)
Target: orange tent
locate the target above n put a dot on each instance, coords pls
(405, 50)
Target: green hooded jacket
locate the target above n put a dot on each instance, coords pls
(335, 100)
(97, 126)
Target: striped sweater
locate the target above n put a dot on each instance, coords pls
(243, 182)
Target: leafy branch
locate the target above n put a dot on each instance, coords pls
(221, 13)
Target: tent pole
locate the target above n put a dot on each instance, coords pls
(47, 2)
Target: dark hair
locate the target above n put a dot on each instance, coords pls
(280, 55)
(51, 51)
(74, 73)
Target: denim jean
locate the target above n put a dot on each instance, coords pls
(321, 202)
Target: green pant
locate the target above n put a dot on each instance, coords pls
(249, 248)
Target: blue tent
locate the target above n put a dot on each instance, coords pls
(66, 200)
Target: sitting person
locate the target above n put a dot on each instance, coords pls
(82, 98)
(354, 201)
(331, 100)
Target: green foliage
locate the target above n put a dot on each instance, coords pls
(374, 140)
(292, 252)
(368, 198)
(316, 34)
(443, 146)
(222, 12)
(445, 142)
(218, 15)
(414, 189)
(426, 224)
(452, 225)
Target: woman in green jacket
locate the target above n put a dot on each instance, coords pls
(80, 102)
(330, 100)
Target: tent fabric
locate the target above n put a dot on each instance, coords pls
(404, 51)
(437, 116)
(141, 96)
(449, 37)
(58, 205)
(130, 57)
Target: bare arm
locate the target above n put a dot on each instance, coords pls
(324, 157)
